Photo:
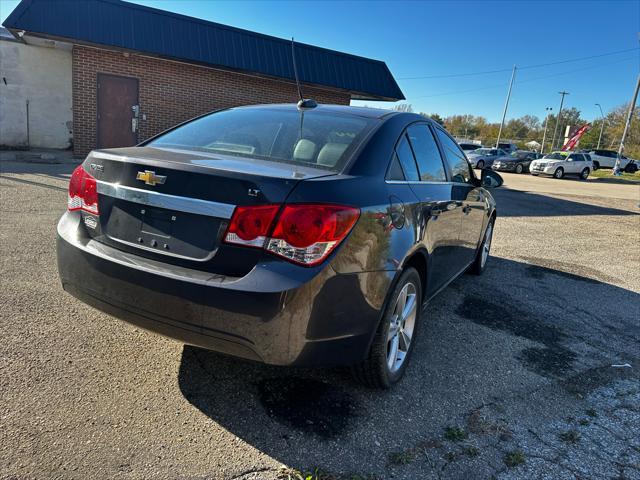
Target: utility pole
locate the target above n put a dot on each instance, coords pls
(632, 106)
(506, 105)
(546, 124)
(601, 126)
(555, 130)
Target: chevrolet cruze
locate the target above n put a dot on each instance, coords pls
(286, 235)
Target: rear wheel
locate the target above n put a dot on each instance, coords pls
(478, 265)
(395, 337)
(596, 165)
(519, 168)
(584, 174)
(559, 173)
(480, 164)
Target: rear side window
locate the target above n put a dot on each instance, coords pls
(395, 170)
(427, 154)
(314, 138)
(460, 168)
(405, 155)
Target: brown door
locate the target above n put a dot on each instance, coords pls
(117, 111)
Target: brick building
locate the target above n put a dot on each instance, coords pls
(136, 71)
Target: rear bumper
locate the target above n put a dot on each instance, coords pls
(279, 313)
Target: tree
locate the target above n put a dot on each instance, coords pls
(403, 107)
(433, 116)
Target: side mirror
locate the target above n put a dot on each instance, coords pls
(490, 178)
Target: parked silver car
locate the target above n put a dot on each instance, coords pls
(484, 157)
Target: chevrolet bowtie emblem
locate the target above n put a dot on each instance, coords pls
(150, 178)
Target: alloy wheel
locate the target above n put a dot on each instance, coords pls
(518, 168)
(401, 327)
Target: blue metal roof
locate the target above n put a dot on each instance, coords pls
(118, 24)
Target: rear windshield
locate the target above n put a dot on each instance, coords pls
(313, 138)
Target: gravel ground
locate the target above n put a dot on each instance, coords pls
(512, 376)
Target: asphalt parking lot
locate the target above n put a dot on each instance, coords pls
(512, 376)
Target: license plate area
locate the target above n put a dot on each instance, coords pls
(166, 232)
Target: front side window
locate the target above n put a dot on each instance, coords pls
(405, 155)
(460, 167)
(317, 138)
(427, 154)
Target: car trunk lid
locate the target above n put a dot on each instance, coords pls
(175, 205)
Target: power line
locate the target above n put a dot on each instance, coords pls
(539, 65)
(491, 87)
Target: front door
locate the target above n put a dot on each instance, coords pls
(117, 111)
(467, 195)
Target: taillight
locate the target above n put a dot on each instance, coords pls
(250, 225)
(83, 192)
(302, 233)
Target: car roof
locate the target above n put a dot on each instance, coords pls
(330, 108)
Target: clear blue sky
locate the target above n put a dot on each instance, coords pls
(450, 37)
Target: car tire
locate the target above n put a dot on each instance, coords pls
(559, 173)
(480, 164)
(584, 174)
(480, 262)
(387, 361)
(630, 168)
(519, 168)
(596, 165)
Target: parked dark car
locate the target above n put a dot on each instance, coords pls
(517, 162)
(288, 237)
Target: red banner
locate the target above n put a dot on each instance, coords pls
(573, 141)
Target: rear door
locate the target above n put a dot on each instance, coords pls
(117, 111)
(441, 212)
(466, 194)
(439, 216)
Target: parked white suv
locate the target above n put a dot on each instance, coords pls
(559, 164)
(607, 159)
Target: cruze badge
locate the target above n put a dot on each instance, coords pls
(150, 178)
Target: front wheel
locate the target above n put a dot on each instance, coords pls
(480, 164)
(480, 262)
(519, 168)
(559, 173)
(395, 338)
(584, 174)
(596, 166)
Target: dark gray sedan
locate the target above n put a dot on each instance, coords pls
(517, 162)
(284, 235)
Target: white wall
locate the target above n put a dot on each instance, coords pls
(41, 75)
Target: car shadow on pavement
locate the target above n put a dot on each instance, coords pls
(515, 203)
(474, 349)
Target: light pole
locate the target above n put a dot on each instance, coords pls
(506, 105)
(632, 106)
(555, 130)
(546, 124)
(601, 126)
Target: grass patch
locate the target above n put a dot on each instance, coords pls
(570, 436)
(402, 458)
(607, 173)
(514, 458)
(472, 451)
(455, 434)
(591, 412)
(314, 474)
